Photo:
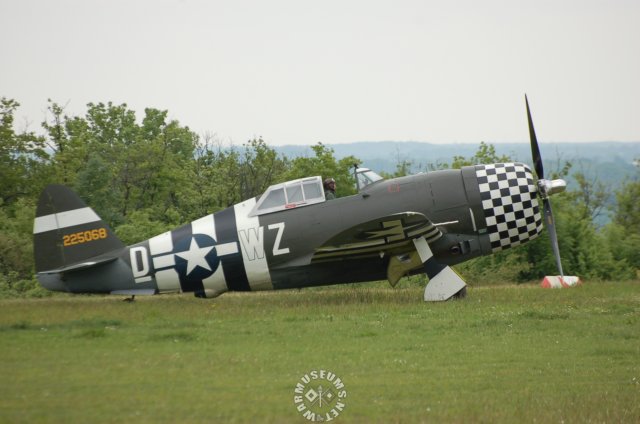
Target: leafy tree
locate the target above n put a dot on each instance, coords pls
(140, 226)
(121, 165)
(22, 157)
(23, 173)
(162, 160)
(584, 250)
(485, 154)
(324, 163)
(69, 140)
(16, 247)
(627, 209)
(623, 234)
(260, 167)
(591, 195)
(94, 186)
(624, 246)
(215, 172)
(16, 251)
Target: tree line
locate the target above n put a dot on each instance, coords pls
(150, 174)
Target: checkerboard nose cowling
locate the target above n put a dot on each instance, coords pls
(510, 203)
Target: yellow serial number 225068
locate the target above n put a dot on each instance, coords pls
(84, 236)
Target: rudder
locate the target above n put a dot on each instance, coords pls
(68, 233)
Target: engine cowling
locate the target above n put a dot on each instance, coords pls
(510, 204)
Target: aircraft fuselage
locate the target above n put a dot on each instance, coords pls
(238, 250)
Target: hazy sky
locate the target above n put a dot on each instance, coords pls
(299, 72)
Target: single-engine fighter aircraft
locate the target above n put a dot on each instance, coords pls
(291, 236)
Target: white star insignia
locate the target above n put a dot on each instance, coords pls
(196, 256)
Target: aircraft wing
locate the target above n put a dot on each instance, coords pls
(390, 235)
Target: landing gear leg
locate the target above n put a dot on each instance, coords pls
(444, 283)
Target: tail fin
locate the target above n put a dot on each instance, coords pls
(68, 234)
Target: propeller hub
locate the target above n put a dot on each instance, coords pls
(548, 188)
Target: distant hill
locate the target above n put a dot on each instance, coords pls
(609, 162)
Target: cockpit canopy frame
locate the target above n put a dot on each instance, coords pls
(289, 195)
(365, 177)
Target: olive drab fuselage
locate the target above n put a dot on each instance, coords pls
(349, 239)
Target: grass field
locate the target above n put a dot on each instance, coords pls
(504, 354)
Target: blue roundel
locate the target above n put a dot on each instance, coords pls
(196, 257)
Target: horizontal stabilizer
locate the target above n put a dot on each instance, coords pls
(79, 266)
(135, 292)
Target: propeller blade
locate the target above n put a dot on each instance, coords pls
(535, 150)
(545, 188)
(551, 227)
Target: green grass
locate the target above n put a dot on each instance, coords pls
(504, 354)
